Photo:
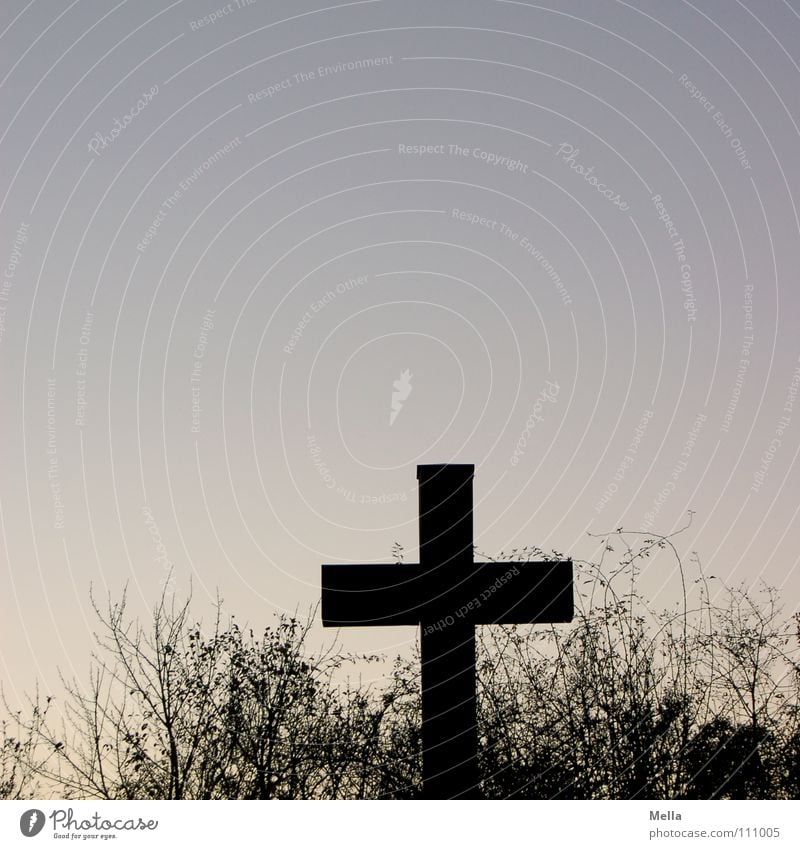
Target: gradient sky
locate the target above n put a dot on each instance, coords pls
(574, 224)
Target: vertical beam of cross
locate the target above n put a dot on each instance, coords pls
(449, 711)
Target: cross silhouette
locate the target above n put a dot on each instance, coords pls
(447, 594)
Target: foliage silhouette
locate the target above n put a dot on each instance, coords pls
(699, 700)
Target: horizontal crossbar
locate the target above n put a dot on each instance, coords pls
(477, 594)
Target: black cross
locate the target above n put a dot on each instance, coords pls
(447, 594)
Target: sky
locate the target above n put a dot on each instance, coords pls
(262, 259)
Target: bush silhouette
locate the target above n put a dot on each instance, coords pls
(700, 700)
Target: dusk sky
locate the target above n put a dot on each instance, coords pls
(564, 237)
